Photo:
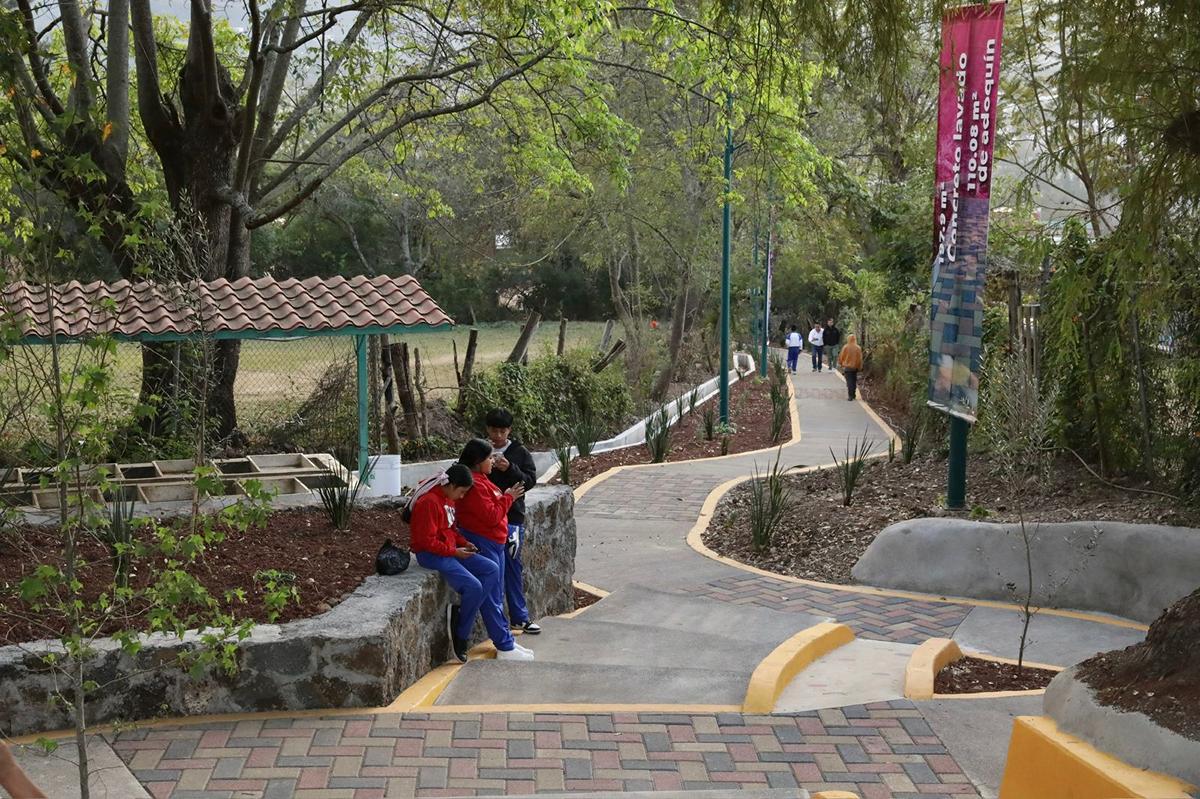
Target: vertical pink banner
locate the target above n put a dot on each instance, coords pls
(967, 109)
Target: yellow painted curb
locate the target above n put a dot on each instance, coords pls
(797, 434)
(425, 691)
(583, 708)
(834, 795)
(695, 540)
(923, 666)
(790, 658)
(1047, 763)
(591, 589)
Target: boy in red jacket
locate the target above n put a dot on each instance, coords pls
(483, 519)
(441, 548)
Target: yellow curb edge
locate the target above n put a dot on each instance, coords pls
(788, 659)
(1044, 761)
(924, 664)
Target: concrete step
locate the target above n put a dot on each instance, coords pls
(726, 793)
(854, 674)
(641, 605)
(490, 682)
(613, 643)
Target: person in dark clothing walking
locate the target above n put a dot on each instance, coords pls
(833, 344)
(513, 466)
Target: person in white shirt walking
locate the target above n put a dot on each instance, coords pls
(794, 344)
(816, 337)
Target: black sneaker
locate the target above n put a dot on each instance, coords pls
(459, 645)
(531, 628)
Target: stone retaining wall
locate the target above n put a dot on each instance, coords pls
(362, 653)
(1130, 570)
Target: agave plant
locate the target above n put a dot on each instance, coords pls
(770, 500)
(658, 434)
(339, 498)
(850, 469)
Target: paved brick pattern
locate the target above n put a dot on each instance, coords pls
(637, 494)
(880, 618)
(882, 751)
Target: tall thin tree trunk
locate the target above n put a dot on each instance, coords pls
(1101, 433)
(678, 328)
(389, 396)
(404, 389)
(468, 370)
(562, 336)
(521, 348)
(1143, 397)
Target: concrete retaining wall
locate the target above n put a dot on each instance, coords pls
(362, 653)
(1130, 570)
(1131, 737)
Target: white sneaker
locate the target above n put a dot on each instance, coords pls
(522, 648)
(516, 653)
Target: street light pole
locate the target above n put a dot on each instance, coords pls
(726, 256)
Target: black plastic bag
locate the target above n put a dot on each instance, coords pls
(391, 559)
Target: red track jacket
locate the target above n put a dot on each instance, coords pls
(432, 524)
(484, 510)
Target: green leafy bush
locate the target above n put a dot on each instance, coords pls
(550, 393)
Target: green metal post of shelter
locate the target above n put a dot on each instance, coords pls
(956, 477)
(726, 256)
(364, 408)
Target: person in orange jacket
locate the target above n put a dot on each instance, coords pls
(483, 520)
(851, 361)
(440, 547)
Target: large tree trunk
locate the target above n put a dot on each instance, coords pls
(662, 383)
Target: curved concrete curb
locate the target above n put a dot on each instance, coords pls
(1130, 570)
(927, 660)
(794, 416)
(935, 654)
(1132, 737)
(788, 659)
(695, 540)
(1044, 761)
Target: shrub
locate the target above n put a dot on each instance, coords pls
(710, 420)
(780, 409)
(551, 392)
(585, 433)
(770, 499)
(851, 468)
(658, 434)
(726, 431)
(339, 499)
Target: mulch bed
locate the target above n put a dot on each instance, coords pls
(819, 539)
(328, 566)
(970, 675)
(1159, 676)
(584, 599)
(749, 412)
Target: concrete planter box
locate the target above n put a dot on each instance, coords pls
(362, 653)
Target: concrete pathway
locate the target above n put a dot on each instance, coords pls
(679, 629)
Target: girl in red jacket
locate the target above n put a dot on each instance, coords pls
(440, 547)
(482, 516)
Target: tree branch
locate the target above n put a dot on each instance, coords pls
(117, 78)
(75, 39)
(348, 152)
(357, 111)
(242, 171)
(35, 59)
(160, 126)
(311, 97)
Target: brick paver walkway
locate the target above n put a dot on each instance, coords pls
(881, 618)
(881, 751)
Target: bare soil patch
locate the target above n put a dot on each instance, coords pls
(749, 412)
(971, 675)
(327, 566)
(1160, 676)
(584, 599)
(820, 539)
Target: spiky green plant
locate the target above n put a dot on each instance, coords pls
(339, 498)
(780, 409)
(770, 500)
(709, 418)
(658, 434)
(850, 469)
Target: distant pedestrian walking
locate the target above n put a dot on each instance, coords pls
(833, 344)
(794, 345)
(851, 361)
(816, 337)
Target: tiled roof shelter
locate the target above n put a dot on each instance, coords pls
(245, 308)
